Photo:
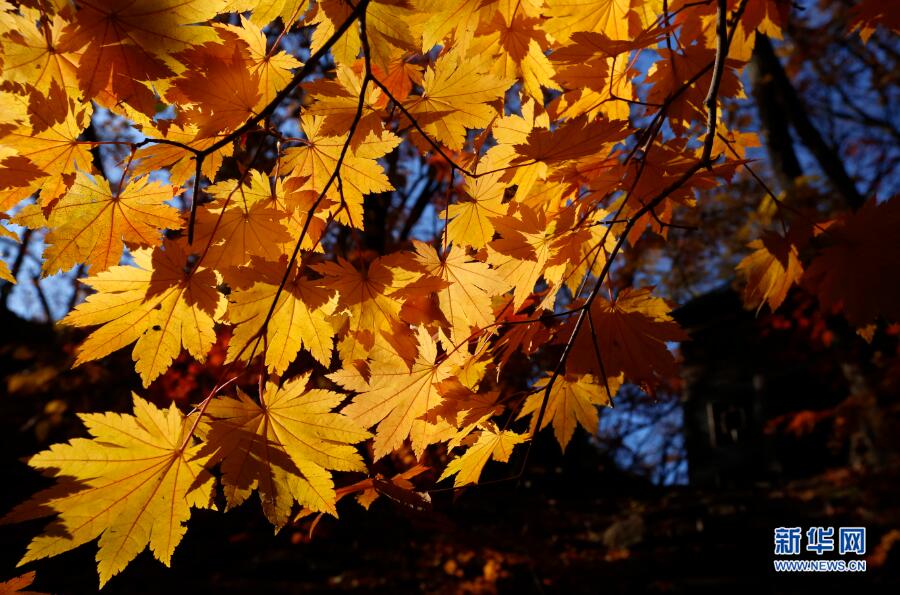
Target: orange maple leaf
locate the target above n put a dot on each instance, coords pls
(627, 336)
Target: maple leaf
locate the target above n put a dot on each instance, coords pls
(127, 42)
(400, 77)
(223, 84)
(393, 29)
(464, 409)
(52, 149)
(396, 397)
(631, 334)
(6, 274)
(266, 11)
(519, 45)
(300, 318)
(257, 189)
(867, 15)
(312, 165)
(132, 484)
(456, 96)
(768, 17)
(509, 132)
(573, 401)
(617, 19)
(92, 222)
(457, 18)
(272, 70)
(664, 165)
(512, 127)
(676, 69)
(582, 249)
(17, 584)
(398, 489)
(597, 73)
(327, 17)
(521, 254)
(771, 270)
(573, 140)
(470, 220)
(16, 109)
(490, 443)
(30, 56)
(337, 101)
(160, 304)
(367, 295)
(466, 302)
(235, 231)
(848, 273)
(285, 446)
(179, 161)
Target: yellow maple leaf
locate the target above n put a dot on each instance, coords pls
(456, 96)
(312, 165)
(54, 152)
(301, 318)
(573, 401)
(396, 397)
(456, 19)
(364, 292)
(5, 273)
(770, 271)
(491, 443)
(597, 72)
(239, 231)
(521, 254)
(179, 161)
(266, 11)
(161, 304)
(93, 221)
(518, 45)
(337, 101)
(617, 19)
(30, 56)
(272, 70)
(133, 484)
(13, 113)
(285, 447)
(466, 302)
(584, 250)
(510, 131)
(253, 188)
(256, 189)
(367, 295)
(327, 17)
(470, 220)
(394, 28)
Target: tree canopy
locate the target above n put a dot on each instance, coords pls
(409, 225)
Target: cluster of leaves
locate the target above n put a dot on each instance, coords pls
(529, 110)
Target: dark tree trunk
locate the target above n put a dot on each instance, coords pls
(780, 104)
